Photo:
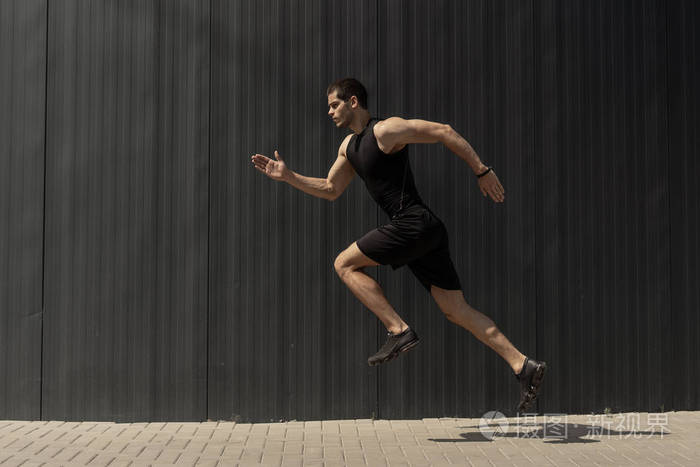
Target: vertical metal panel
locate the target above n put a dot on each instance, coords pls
(22, 103)
(684, 149)
(468, 64)
(288, 339)
(603, 320)
(127, 216)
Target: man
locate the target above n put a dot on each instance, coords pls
(377, 150)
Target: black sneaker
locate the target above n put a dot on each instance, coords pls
(530, 378)
(395, 343)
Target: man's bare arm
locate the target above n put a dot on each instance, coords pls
(396, 131)
(341, 173)
(317, 187)
(329, 188)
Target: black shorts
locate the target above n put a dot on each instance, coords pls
(418, 238)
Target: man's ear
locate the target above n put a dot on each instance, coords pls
(354, 102)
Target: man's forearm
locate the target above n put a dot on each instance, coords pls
(457, 144)
(314, 186)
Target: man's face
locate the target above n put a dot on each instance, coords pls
(340, 111)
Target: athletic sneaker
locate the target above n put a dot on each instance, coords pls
(530, 378)
(395, 343)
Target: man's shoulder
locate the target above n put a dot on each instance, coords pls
(388, 123)
(389, 126)
(388, 133)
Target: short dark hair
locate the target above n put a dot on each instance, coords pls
(348, 87)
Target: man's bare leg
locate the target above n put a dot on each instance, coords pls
(349, 265)
(457, 310)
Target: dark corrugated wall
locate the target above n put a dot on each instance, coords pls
(682, 350)
(22, 110)
(603, 202)
(180, 284)
(125, 327)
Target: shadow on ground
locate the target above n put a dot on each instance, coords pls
(561, 433)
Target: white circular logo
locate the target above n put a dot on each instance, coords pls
(493, 423)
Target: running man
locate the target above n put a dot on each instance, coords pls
(377, 150)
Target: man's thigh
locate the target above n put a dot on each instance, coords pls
(391, 245)
(352, 257)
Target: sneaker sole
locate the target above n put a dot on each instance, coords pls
(534, 387)
(393, 355)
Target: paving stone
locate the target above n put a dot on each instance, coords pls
(312, 452)
(272, 458)
(84, 457)
(207, 463)
(187, 458)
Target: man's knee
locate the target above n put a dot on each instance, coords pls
(342, 265)
(352, 259)
(338, 265)
(453, 311)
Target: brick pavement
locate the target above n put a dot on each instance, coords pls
(669, 438)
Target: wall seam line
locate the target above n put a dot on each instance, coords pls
(208, 284)
(43, 236)
(668, 194)
(537, 185)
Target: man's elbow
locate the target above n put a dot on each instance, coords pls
(446, 133)
(330, 193)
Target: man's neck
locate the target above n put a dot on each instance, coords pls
(359, 122)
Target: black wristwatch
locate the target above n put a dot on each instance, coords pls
(485, 172)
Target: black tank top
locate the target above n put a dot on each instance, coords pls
(388, 177)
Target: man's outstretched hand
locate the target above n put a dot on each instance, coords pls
(489, 184)
(276, 170)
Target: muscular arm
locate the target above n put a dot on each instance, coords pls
(331, 187)
(395, 132)
(317, 187)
